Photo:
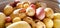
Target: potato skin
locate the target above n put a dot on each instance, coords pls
(15, 13)
(20, 24)
(2, 19)
(16, 19)
(8, 10)
(48, 22)
(30, 21)
(19, 5)
(56, 23)
(40, 25)
(56, 15)
(49, 12)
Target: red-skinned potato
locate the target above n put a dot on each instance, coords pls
(33, 6)
(40, 14)
(30, 11)
(8, 19)
(8, 10)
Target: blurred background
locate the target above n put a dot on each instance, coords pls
(54, 4)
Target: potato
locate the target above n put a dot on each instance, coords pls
(18, 13)
(48, 22)
(15, 13)
(49, 12)
(8, 10)
(16, 19)
(56, 23)
(2, 19)
(20, 24)
(30, 11)
(30, 21)
(7, 24)
(19, 5)
(40, 25)
(25, 5)
(8, 19)
(40, 14)
(56, 15)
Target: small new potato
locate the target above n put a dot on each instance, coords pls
(8, 19)
(26, 5)
(2, 19)
(30, 21)
(30, 11)
(56, 15)
(56, 23)
(15, 14)
(40, 25)
(19, 5)
(16, 19)
(49, 12)
(8, 10)
(48, 22)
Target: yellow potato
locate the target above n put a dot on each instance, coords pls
(48, 22)
(19, 5)
(7, 24)
(49, 12)
(15, 13)
(40, 25)
(16, 19)
(56, 23)
(8, 10)
(2, 19)
(20, 24)
(30, 21)
(57, 16)
(26, 6)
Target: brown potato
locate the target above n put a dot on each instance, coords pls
(57, 16)
(16, 19)
(20, 24)
(40, 25)
(30, 21)
(8, 10)
(48, 22)
(2, 19)
(49, 12)
(19, 5)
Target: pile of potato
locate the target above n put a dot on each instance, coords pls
(28, 15)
